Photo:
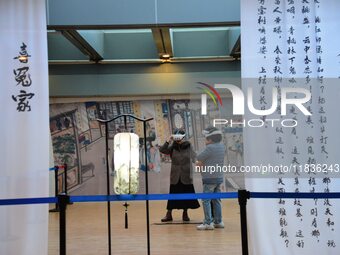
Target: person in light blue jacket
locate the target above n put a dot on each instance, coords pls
(210, 162)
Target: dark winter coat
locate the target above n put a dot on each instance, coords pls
(182, 157)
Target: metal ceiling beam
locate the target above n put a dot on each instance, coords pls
(162, 40)
(202, 59)
(143, 26)
(236, 50)
(131, 61)
(77, 40)
(70, 62)
(167, 40)
(106, 61)
(145, 61)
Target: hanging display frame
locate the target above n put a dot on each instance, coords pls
(106, 123)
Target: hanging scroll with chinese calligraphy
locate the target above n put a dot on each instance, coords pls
(24, 153)
(290, 60)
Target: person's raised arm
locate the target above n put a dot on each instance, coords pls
(167, 146)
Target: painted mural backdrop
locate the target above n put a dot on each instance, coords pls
(79, 140)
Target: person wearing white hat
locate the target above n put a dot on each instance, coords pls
(182, 159)
(211, 156)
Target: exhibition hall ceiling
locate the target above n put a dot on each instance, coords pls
(151, 45)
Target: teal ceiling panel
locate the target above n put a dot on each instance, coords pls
(95, 38)
(200, 42)
(59, 48)
(198, 11)
(234, 34)
(141, 44)
(129, 44)
(100, 12)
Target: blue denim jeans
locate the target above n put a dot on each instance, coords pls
(212, 188)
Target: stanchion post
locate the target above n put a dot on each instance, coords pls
(63, 200)
(146, 190)
(66, 188)
(56, 183)
(108, 186)
(243, 196)
(65, 173)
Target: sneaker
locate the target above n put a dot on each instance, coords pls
(205, 227)
(219, 225)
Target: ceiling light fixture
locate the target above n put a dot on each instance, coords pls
(165, 56)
